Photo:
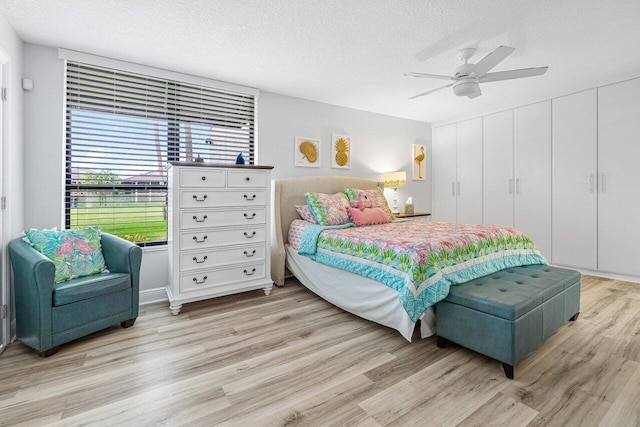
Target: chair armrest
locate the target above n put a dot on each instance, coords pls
(33, 276)
(122, 256)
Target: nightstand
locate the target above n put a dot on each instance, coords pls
(418, 216)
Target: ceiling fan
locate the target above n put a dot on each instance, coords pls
(467, 77)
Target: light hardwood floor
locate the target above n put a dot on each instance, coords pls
(293, 359)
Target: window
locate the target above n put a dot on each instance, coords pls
(121, 130)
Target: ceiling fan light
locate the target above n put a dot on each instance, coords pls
(467, 87)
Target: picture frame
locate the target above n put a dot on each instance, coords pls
(341, 153)
(306, 152)
(419, 162)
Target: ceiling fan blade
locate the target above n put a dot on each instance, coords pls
(513, 74)
(493, 59)
(430, 76)
(430, 91)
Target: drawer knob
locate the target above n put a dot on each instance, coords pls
(247, 235)
(247, 254)
(246, 272)
(200, 200)
(200, 262)
(203, 239)
(204, 218)
(250, 217)
(204, 178)
(204, 279)
(247, 197)
(247, 179)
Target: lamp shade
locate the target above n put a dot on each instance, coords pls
(394, 179)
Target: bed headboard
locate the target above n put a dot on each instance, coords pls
(286, 194)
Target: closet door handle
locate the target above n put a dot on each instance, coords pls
(453, 189)
(590, 183)
(458, 187)
(603, 182)
(517, 185)
(510, 185)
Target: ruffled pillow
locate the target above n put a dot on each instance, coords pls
(75, 253)
(368, 216)
(305, 213)
(328, 209)
(368, 199)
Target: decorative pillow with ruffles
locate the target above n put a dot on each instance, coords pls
(328, 209)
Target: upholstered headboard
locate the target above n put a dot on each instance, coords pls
(286, 194)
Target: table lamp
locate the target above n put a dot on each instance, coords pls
(395, 180)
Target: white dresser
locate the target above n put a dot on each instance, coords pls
(218, 230)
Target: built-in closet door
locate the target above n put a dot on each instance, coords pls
(619, 178)
(574, 180)
(532, 142)
(498, 180)
(444, 173)
(469, 171)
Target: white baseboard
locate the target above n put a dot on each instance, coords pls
(149, 296)
(602, 274)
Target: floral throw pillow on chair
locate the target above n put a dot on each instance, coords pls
(75, 253)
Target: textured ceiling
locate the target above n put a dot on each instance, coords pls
(353, 53)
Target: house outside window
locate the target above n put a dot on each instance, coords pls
(121, 130)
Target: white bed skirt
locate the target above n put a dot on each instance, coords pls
(358, 295)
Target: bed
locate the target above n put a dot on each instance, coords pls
(404, 289)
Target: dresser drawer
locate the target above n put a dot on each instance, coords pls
(210, 199)
(199, 239)
(247, 179)
(201, 177)
(218, 277)
(212, 218)
(191, 261)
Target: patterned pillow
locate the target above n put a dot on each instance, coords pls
(305, 213)
(328, 209)
(368, 199)
(368, 216)
(75, 253)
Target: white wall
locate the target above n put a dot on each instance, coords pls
(380, 144)
(14, 190)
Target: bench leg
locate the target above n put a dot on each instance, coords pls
(508, 370)
(441, 342)
(574, 317)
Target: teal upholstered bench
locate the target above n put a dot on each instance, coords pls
(508, 314)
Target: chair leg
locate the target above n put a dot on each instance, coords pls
(574, 317)
(441, 342)
(508, 370)
(48, 353)
(128, 323)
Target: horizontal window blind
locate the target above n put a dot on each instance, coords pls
(121, 130)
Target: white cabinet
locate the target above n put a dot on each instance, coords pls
(218, 218)
(457, 172)
(575, 190)
(619, 178)
(498, 168)
(532, 142)
(444, 173)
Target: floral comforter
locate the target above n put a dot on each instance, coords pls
(420, 259)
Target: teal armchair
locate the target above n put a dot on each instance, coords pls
(49, 314)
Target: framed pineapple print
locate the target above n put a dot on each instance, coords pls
(307, 152)
(340, 151)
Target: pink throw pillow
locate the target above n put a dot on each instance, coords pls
(305, 213)
(368, 216)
